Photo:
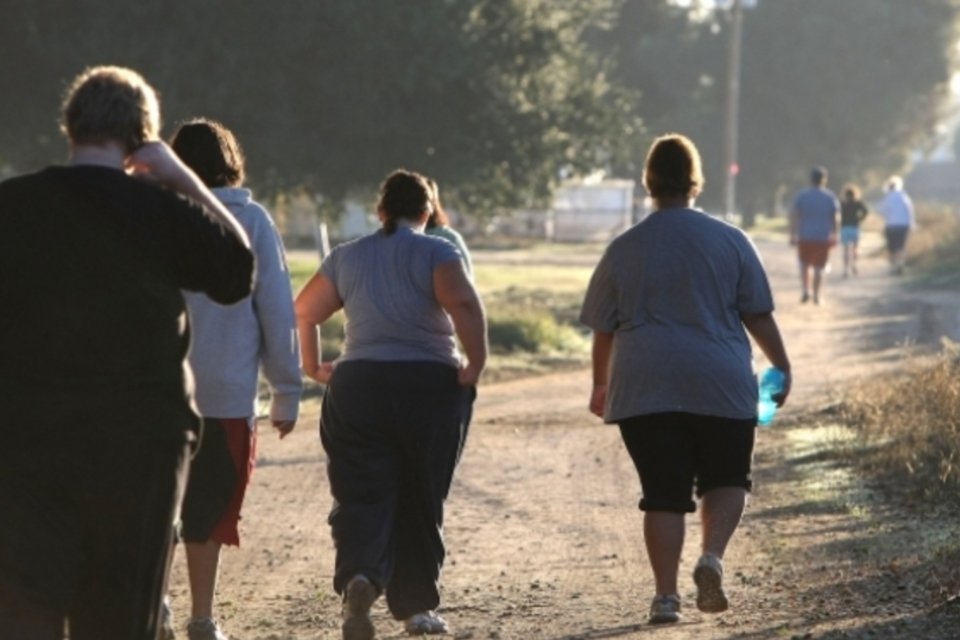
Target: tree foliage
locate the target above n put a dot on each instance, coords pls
(492, 97)
(854, 85)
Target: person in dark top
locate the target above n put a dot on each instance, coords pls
(852, 213)
(93, 340)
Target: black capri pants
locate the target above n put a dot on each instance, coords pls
(675, 453)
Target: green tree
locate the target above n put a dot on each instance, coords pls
(844, 84)
(494, 98)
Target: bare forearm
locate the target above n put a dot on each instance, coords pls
(600, 356)
(470, 324)
(190, 185)
(309, 346)
(766, 333)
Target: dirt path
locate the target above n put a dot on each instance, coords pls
(544, 536)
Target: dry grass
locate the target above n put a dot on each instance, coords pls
(932, 248)
(908, 425)
(907, 445)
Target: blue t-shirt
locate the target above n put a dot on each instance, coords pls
(816, 210)
(386, 285)
(672, 289)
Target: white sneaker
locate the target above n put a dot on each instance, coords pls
(204, 629)
(709, 578)
(665, 609)
(166, 621)
(426, 623)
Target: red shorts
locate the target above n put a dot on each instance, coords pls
(813, 253)
(219, 475)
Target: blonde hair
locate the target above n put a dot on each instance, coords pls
(108, 103)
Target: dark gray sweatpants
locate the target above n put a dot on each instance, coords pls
(393, 433)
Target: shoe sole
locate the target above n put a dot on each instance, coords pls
(710, 595)
(357, 624)
(664, 618)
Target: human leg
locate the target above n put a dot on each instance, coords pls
(363, 469)
(133, 515)
(438, 414)
(659, 446)
(720, 512)
(86, 533)
(723, 481)
(219, 476)
(22, 618)
(805, 281)
(203, 566)
(663, 534)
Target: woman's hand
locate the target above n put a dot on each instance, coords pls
(598, 399)
(781, 397)
(283, 427)
(468, 375)
(322, 373)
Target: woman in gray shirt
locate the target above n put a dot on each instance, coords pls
(670, 305)
(397, 406)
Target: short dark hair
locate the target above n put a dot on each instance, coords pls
(851, 191)
(673, 168)
(818, 175)
(404, 195)
(211, 150)
(108, 103)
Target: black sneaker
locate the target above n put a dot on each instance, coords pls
(357, 600)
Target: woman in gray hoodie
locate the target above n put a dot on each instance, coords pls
(231, 345)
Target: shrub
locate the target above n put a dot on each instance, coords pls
(532, 332)
(909, 427)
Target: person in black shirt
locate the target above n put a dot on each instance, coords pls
(93, 338)
(852, 213)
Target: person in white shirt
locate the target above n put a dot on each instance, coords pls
(897, 211)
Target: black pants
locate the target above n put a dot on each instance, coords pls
(85, 534)
(393, 433)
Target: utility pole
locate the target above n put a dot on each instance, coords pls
(731, 164)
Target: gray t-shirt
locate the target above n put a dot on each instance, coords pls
(672, 289)
(386, 285)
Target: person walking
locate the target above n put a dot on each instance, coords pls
(814, 222)
(231, 346)
(397, 405)
(671, 303)
(99, 425)
(899, 218)
(852, 212)
(438, 224)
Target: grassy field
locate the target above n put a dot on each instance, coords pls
(532, 294)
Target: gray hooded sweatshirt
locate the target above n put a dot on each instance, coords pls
(231, 344)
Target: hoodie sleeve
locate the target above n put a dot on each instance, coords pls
(273, 305)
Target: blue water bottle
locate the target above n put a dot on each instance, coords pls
(771, 383)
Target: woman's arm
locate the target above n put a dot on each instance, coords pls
(316, 302)
(763, 327)
(459, 298)
(602, 346)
